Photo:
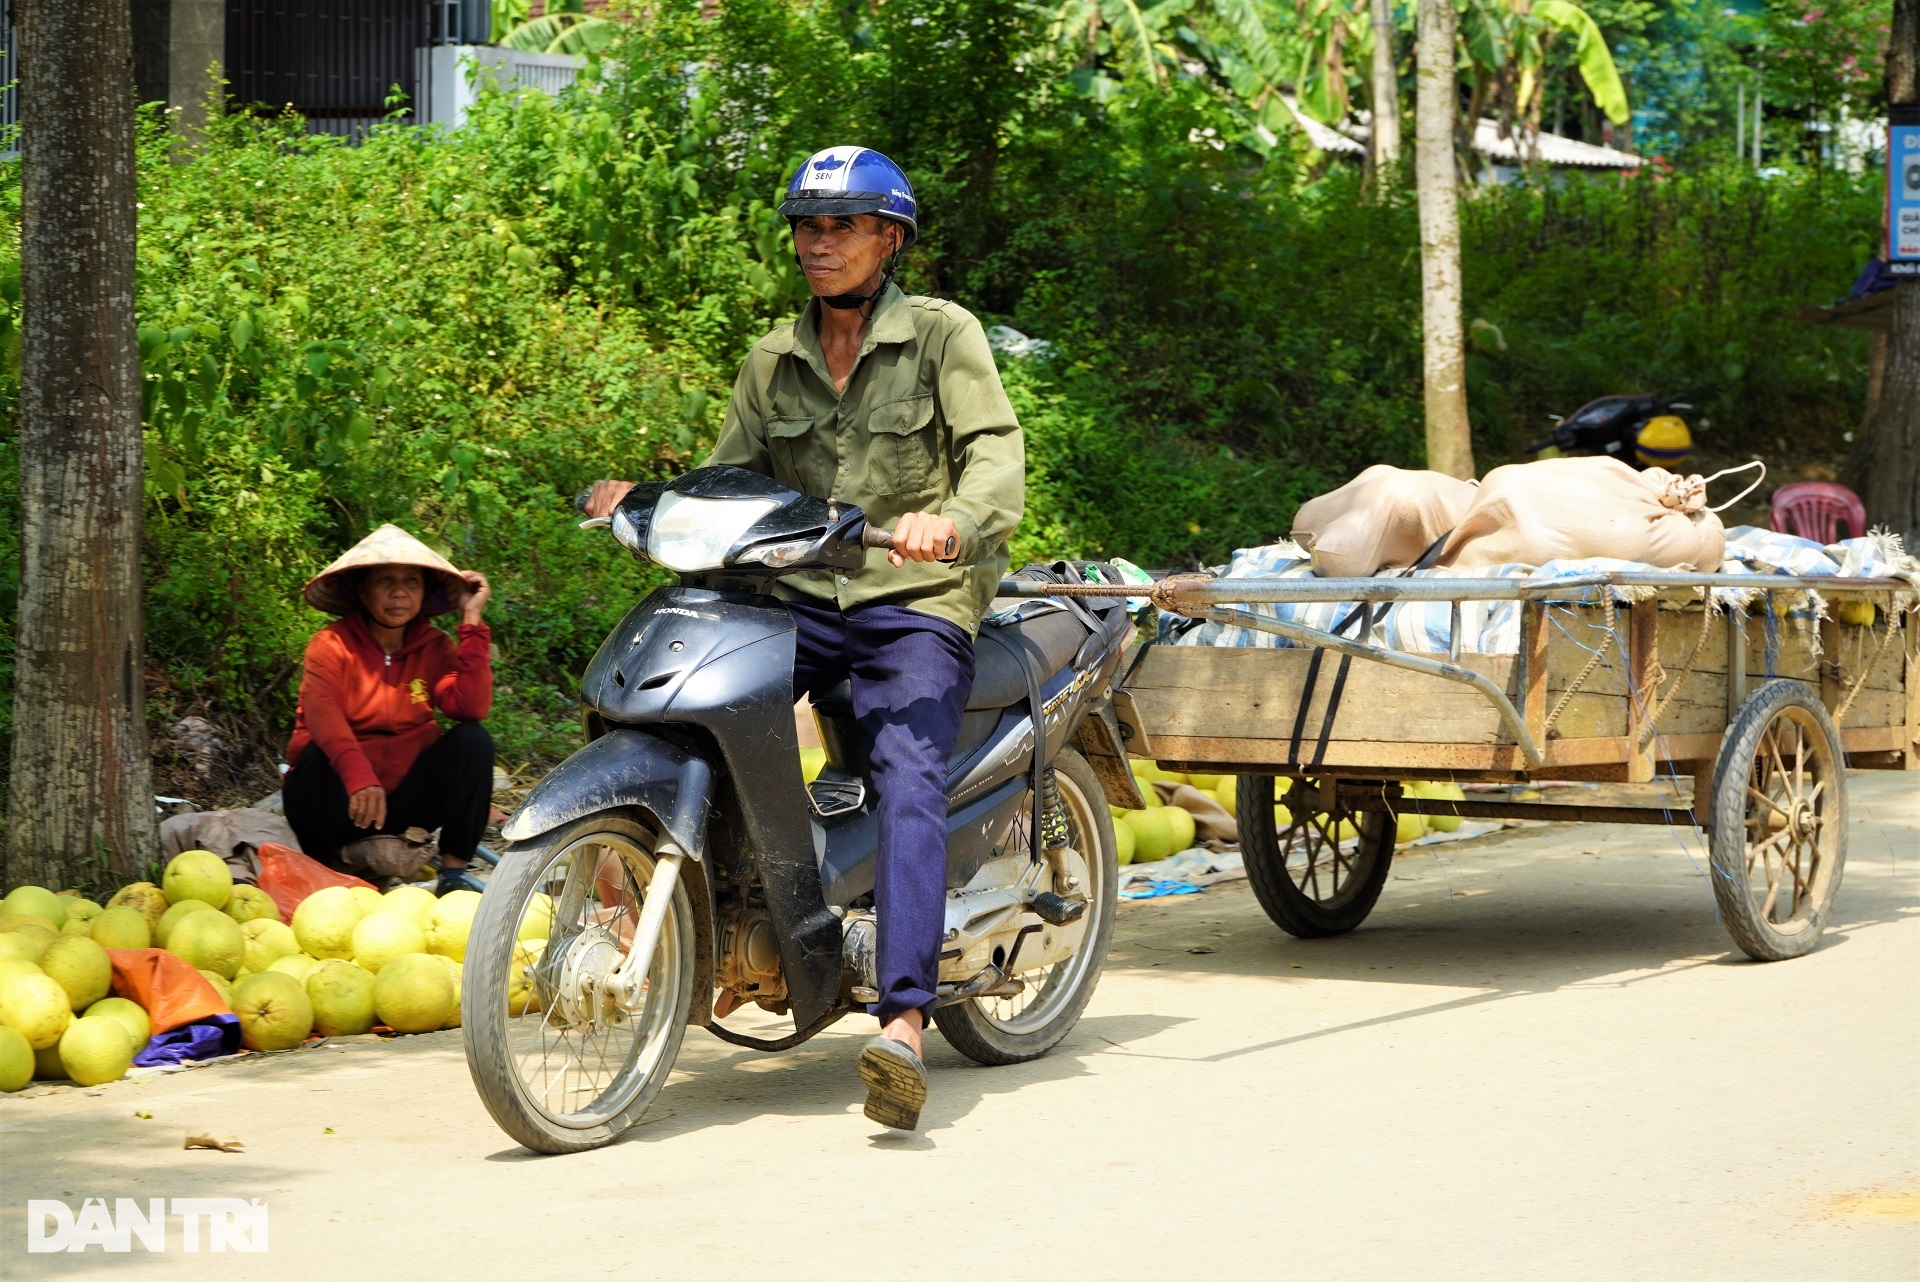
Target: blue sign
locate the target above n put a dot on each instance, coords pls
(1903, 199)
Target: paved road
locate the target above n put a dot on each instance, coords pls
(1539, 1060)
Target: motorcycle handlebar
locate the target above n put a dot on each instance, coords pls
(875, 537)
(580, 500)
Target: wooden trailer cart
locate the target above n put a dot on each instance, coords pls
(1618, 677)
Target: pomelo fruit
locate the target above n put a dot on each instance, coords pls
(129, 1015)
(250, 903)
(35, 901)
(1207, 783)
(1282, 818)
(536, 920)
(265, 940)
(342, 997)
(811, 762)
(324, 922)
(378, 938)
(454, 970)
(298, 965)
(47, 1066)
(1123, 842)
(222, 986)
(122, 927)
(209, 941)
(197, 874)
(163, 929)
(1856, 612)
(26, 948)
(16, 1060)
(81, 967)
(80, 906)
(1228, 795)
(1147, 794)
(1439, 792)
(1153, 833)
(1408, 827)
(415, 903)
(96, 1049)
(18, 965)
(1181, 823)
(23, 921)
(519, 984)
(367, 897)
(449, 922)
(144, 897)
(35, 1005)
(413, 993)
(275, 1013)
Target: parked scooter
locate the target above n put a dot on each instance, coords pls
(1640, 431)
(678, 857)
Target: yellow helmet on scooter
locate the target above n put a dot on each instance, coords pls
(1663, 442)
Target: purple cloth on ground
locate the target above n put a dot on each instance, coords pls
(208, 1038)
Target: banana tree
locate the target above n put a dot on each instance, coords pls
(1507, 44)
(565, 27)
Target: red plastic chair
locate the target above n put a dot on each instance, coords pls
(1816, 509)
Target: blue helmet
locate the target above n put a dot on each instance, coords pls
(852, 180)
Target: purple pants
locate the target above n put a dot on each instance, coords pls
(911, 674)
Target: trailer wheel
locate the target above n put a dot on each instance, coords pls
(1779, 834)
(1310, 882)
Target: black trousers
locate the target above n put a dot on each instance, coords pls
(449, 787)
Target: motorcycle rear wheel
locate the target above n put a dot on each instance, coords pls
(561, 1073)
(1001, 1030)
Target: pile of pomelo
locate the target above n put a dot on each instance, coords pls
(350, 959)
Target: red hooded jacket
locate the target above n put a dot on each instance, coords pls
(372, 712)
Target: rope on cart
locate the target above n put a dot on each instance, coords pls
(1866, 670)
(1686, 670)
(1560, 705)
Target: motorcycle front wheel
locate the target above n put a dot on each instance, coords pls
(559, 1065)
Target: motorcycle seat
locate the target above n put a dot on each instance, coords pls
(1054, 638)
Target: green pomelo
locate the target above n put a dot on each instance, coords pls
(122, 927)
(221, 985)
(274, 1012)
(18, 965)
(1153, 833)
(198, 874)
(1147, 793)
(16, 946)
(81, 967)
(47, 1066)
(519, 987)
(536, 920)
(129, 1015)
(1182, 824)
(415, 903)
(163, 929)
(36, 1006)
(367, 897)
(1441, 792)
(324, 922)
(16, 1060)
(342, 997)
(449, 922)
(1282, 818)
(298, 965)
(77, 926)
(21, 921)
(35, 901)
(95, 1050)
(1408, 827)
(1207, 783)
(250, 903)
(209, 941)
(413, 994)
(80, 909)
(1228, 795)
(378, 938)
(1123, 842)
(454, 970)
(143, 897)
(267, 940)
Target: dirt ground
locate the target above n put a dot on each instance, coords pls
(1540, 1059)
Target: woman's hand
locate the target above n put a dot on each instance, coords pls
(477, 594)
(922, 536)
(605, 496)
(368, 807)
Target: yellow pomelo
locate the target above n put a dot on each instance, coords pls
(144, 897)
(1282, 818)
(266, 941)
(367, 897)
(1207, 783)
(526, 952)
(16, 1060)
(1343, 831)
(1857, 612)
(129, 1015)
(415, 903)
(413, 993)
(1147, 794)
(197, 874)
(324, 922)
(1153, 833)
(299, 965)
(221, 985)
(454, 970)
(1123, 842)
(18, 965)
(35, 901)
(1227, 793)
(209, 941)
(26, 948)
(163, 929)
(1181, 823)
(47, 1066)
(80, 916)
(1439, 792)
(378, 938)
(449, 922)
(536, 920)
(342, 997)
(122, 927)
(21, 921)
(250, 903)
(275, 1014)
(1408, 827)
(81, 967)
(811, 761)
(36, 1006)
(95, 1050)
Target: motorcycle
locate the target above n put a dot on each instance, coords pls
(677, 866)
(1614, 426)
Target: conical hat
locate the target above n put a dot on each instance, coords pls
(332, 590)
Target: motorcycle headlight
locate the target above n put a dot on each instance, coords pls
(777, 555)
(626, 533)
(689, 534)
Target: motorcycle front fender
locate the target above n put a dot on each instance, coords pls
(623, 769)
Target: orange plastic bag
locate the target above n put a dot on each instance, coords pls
(290, 877)
(171, 992)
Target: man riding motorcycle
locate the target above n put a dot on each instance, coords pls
(889, 402)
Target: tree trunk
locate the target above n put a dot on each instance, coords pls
(1893, 482)
(81, 796)
(1437, 178)
(1383, 152)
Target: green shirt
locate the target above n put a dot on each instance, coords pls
(923, 426)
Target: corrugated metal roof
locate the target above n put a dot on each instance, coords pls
(1351, 139)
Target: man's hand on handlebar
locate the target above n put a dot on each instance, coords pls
(605, 496)
(923, 536)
